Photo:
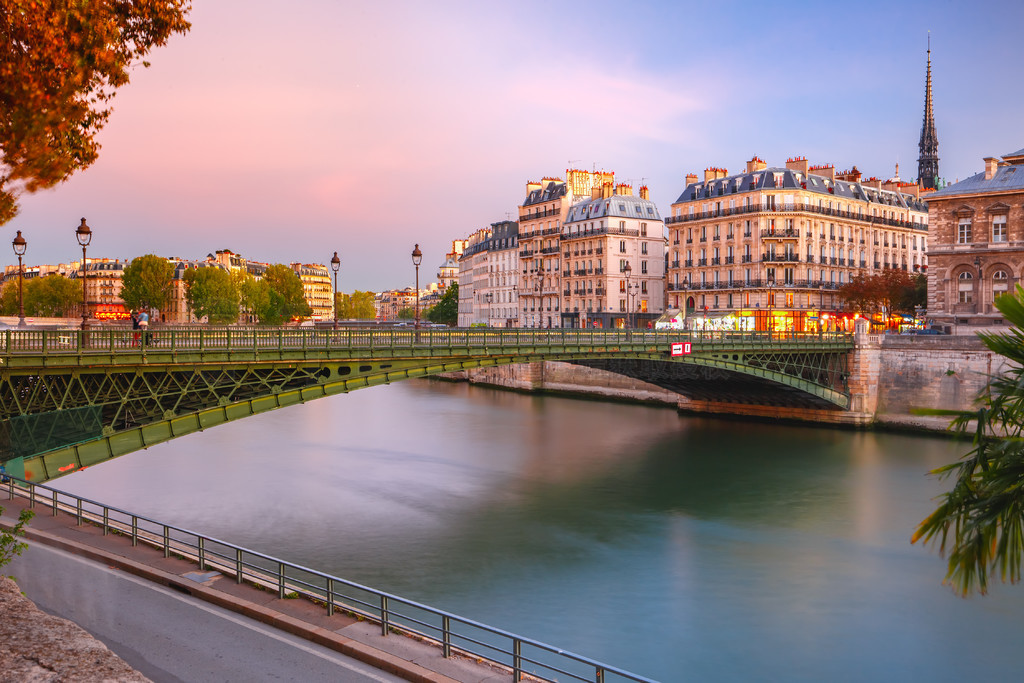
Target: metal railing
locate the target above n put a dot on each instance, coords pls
(109, 344)
(522, 657)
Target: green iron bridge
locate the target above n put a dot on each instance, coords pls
(72, 398)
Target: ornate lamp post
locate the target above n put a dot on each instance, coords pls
(628, 270)
(335, 265)
(84, 235)
(771, 302)
(417, 259)
(20, 245)
(490, 300)
(977, 304)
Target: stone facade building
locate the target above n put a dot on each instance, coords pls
(976, 250)
(769, 247)
(614, 260)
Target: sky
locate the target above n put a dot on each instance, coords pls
(288, 131)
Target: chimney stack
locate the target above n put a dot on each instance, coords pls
(644, 192)
(797, 164)
(991, 163)
(691, 178)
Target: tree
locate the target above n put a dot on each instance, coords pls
(980, 522)
(891, 291)
(447, 309)
(356, 306)
(407, 313)
(211, 293)
(52, 296)
(277, 297)
(9, 298)
(60, 66)
(147, 283)
(10, 546)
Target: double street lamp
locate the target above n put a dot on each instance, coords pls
(20, 245)
(84, 235)
(631, 293)
(417, 259)
(335, 265)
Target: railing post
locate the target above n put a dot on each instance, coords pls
(238, 565)
(31, 495)
(599, 675)
(106, 520)
(280, 580)
(383, 615)
(54, 503)
(201, 545)
(135, 530)
(167, 541)
(517, 660)
(330, 597)
(446, 636)
(78, 512)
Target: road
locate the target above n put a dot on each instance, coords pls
(169, 636)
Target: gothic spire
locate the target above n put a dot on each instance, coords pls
(928, 162)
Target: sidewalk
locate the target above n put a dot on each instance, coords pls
(402, 656)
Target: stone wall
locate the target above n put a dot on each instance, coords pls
(890, 376)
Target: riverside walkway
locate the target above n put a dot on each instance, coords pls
(413, 641)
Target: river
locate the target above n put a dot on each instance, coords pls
(676, 547)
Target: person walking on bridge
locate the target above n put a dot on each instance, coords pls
(144, 326)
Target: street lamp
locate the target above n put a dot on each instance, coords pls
(335, 265)
(417, 259)
(771, 302)
(84, 235)
(489, 296)
(20, 245)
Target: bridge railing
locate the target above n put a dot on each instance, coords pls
(126, 341)
(522, 657)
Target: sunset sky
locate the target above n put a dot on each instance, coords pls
(286, 131)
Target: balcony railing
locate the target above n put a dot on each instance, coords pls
(795, 208)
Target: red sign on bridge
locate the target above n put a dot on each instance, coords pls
(681, 349)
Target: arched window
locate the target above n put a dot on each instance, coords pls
(965, 287)
(1000, 284)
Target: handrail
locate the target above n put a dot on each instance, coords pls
(522, 657)
(115, 342)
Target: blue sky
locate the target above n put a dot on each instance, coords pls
(285, 134)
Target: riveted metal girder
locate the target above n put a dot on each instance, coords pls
(77, 399)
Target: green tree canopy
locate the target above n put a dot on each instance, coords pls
(356, 306)
(277, 297)
(211, 293)
(980, 522)
(891, 291)
(60, 66)
(9, 298)
(53, 296)
(447, 309)
(147, 283)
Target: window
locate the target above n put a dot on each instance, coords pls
(1000, 284)
(622, 246)
(999, 229)
(643, 230)
(643, 267)
(643, 247)
(963, 233)
(965, 288)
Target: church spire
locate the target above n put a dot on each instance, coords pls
(928, 162)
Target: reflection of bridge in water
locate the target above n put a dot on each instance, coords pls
(71, 399)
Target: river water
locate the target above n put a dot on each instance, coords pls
(679, 548)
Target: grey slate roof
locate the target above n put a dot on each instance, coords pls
(1005, 178)
(553, 189)
(766, 179)
(617, 206)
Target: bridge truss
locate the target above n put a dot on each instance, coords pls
(71, 399)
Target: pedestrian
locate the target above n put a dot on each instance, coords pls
(135, 328)
(3, 475)
(144, 326)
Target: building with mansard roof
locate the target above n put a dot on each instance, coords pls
(613, 255)
(769, 247)
(976, 250)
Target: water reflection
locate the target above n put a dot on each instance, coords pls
(659, 543)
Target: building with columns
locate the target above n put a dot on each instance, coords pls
(768, 248)
(976, 250)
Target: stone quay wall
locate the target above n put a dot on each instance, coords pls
(889, 376)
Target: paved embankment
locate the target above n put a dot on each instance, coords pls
(181, 624)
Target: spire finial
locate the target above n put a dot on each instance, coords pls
(928, 162)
